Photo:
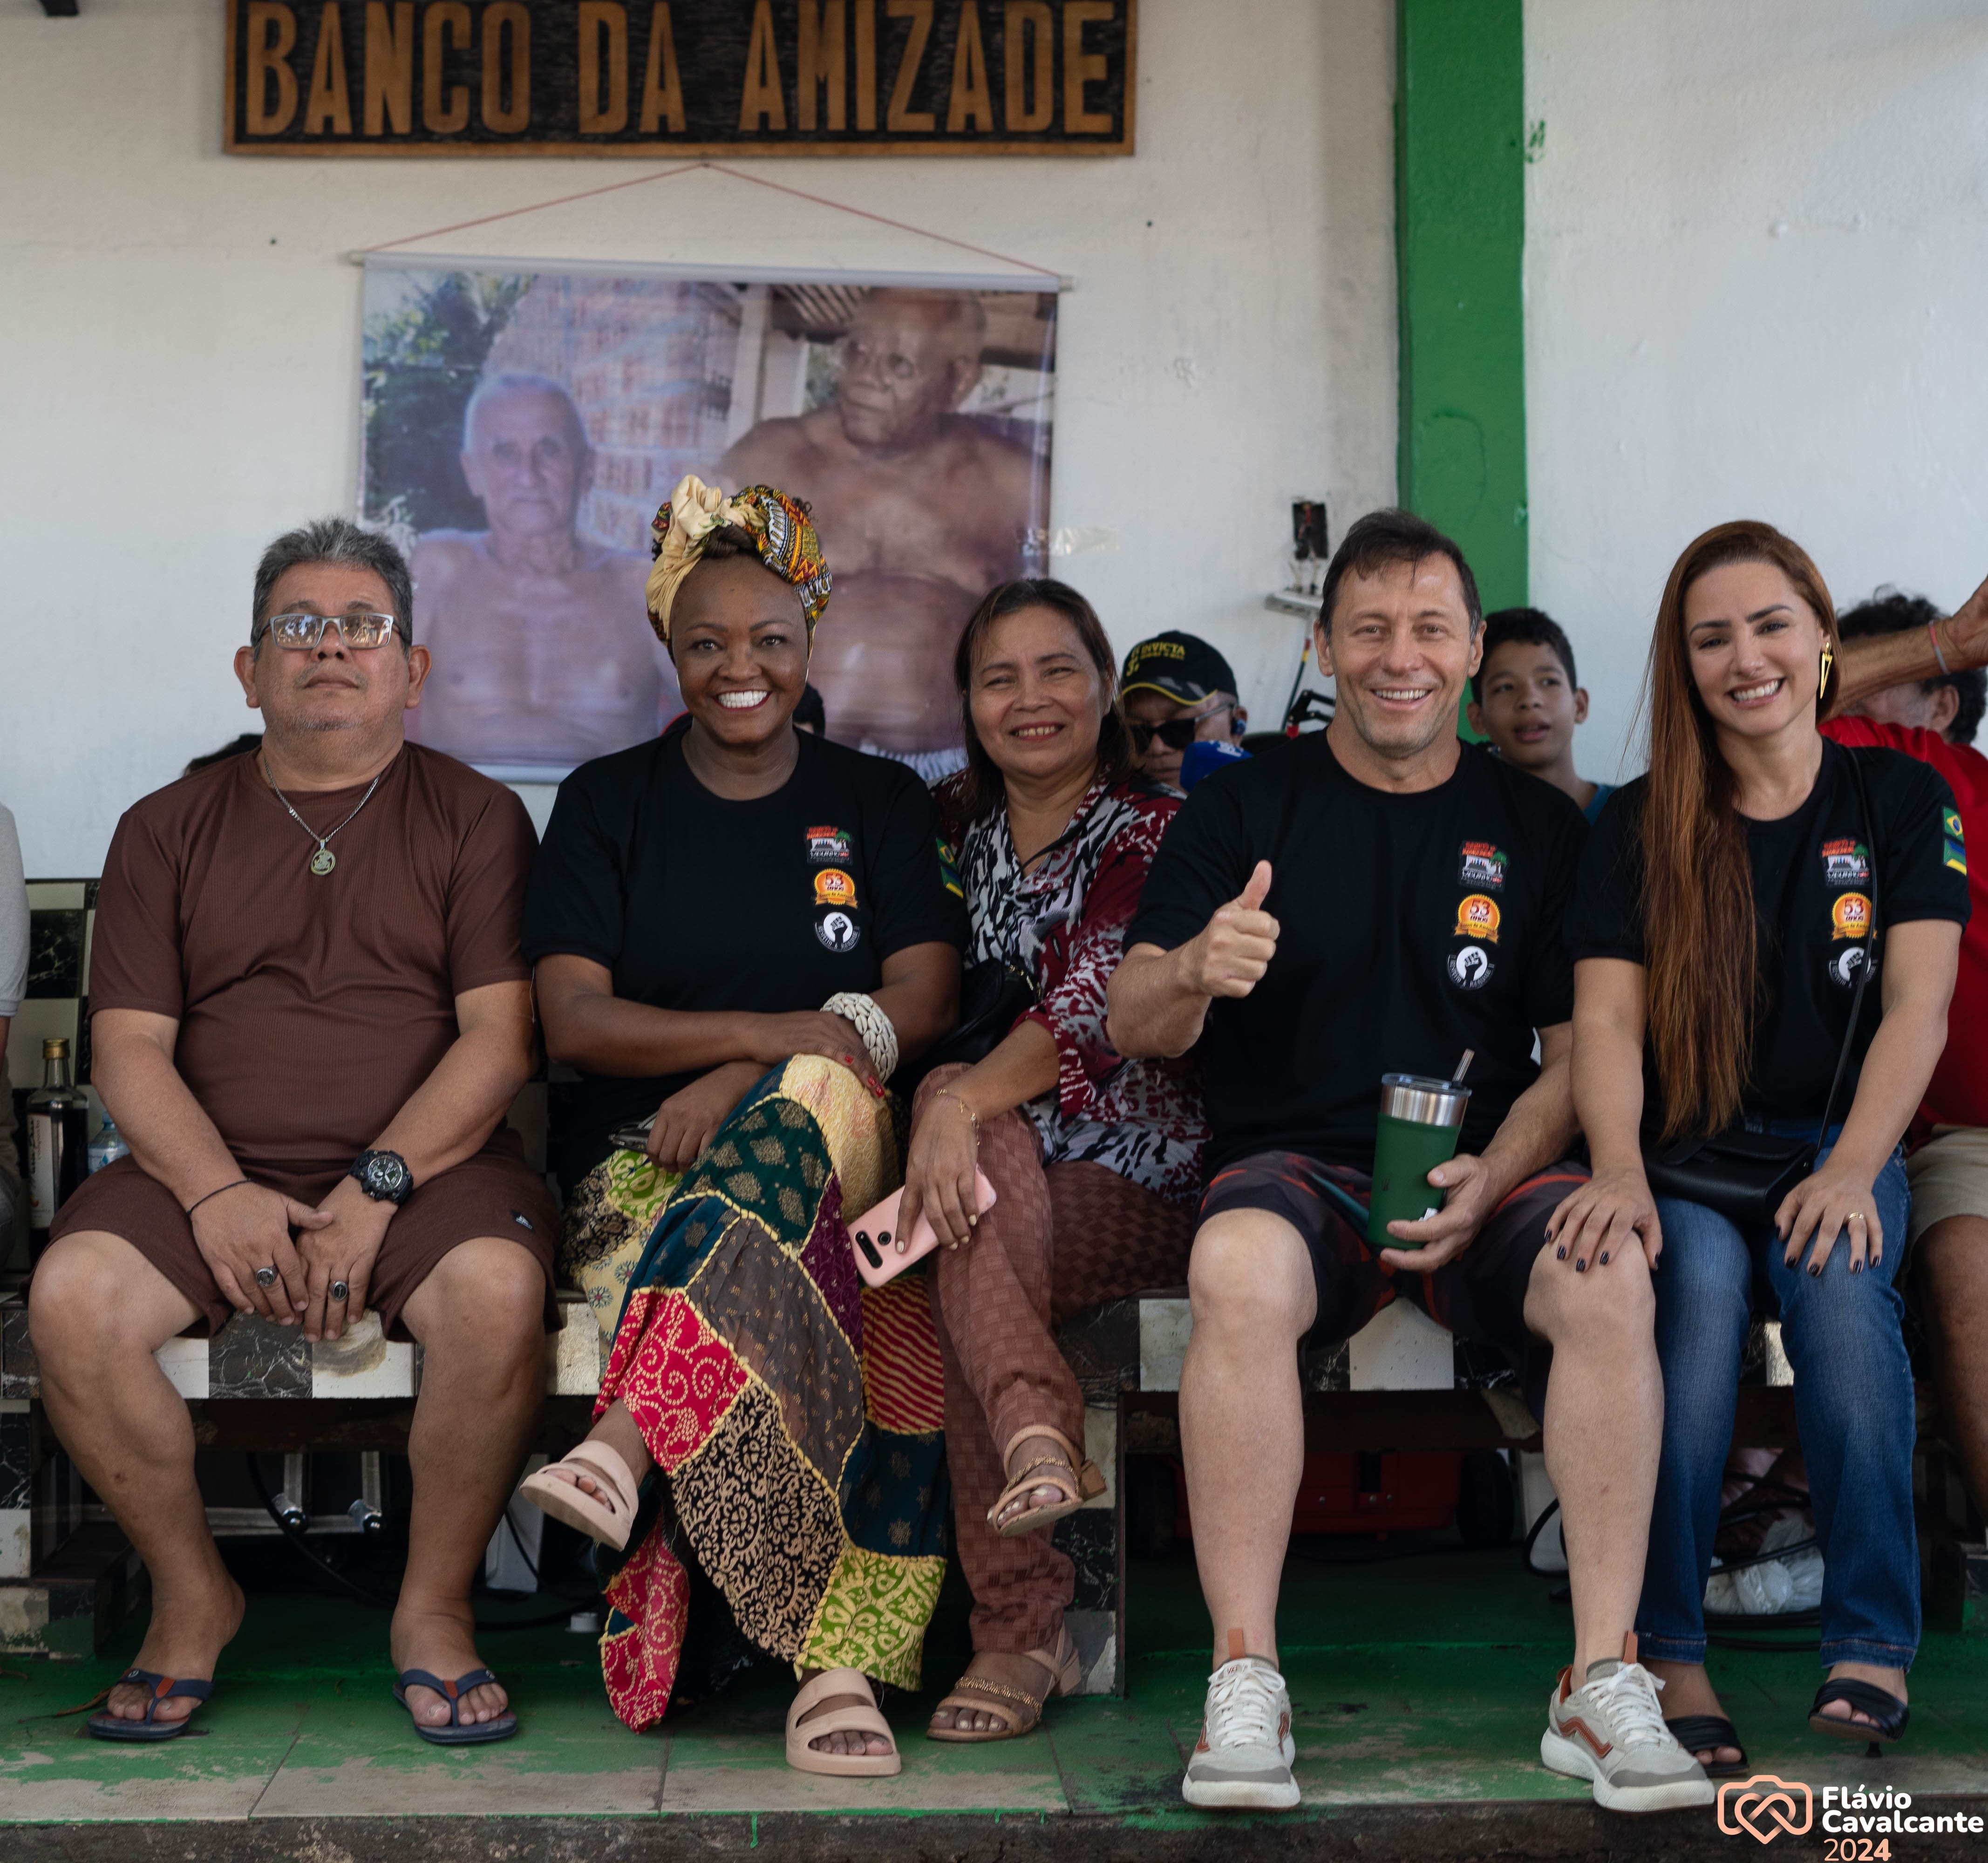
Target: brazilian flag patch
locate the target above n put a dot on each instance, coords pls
(949, 872)
(1956, 841)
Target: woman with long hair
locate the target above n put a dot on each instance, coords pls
(1726, 961)
(1053, 832)
(739, 930)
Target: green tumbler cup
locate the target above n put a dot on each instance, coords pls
(1420, 1120)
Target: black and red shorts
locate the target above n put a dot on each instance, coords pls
(1479, 1295)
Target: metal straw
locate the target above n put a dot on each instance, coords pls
(1463, 1066)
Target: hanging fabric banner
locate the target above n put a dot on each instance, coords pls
(522, 423)
(659, 77)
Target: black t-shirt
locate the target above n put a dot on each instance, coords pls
(695, 902)
(1812, 894)
(1412, 928)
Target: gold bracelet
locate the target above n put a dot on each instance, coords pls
(946, 1093)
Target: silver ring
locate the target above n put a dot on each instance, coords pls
(266, 1277)
(339, 1291)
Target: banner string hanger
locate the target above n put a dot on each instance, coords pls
(737, 174)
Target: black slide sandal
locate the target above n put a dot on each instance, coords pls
(1885, 1708)
(1698, 1733)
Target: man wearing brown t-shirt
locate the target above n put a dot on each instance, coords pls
(309, 1013)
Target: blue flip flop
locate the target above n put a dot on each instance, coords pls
(109, 1727)
(477, 1733)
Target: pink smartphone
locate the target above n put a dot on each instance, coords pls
(873, 1236)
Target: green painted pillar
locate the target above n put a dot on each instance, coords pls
(1460, 234)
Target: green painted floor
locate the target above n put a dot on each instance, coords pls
(1420, 1680)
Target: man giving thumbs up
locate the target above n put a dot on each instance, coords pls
(1374, 899)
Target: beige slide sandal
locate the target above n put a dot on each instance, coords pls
(1075, 1479)
(1062, 1664)
(806, 1759)
(606, 1517)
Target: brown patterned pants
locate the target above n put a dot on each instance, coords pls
(1059, 1240)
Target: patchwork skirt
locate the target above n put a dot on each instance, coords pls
(794, 1415)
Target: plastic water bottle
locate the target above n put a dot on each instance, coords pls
(109, 1144)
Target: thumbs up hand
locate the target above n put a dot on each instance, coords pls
(1230, 956)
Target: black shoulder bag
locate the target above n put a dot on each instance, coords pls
(993, 996)
(1746, 1175)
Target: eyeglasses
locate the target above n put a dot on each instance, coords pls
(1176, 733)
(304, 631)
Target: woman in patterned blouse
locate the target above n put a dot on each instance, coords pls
(1053, 833)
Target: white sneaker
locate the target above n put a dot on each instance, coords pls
(1242, 1760)
(1611, 1730)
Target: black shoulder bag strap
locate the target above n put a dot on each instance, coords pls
(1870, 935)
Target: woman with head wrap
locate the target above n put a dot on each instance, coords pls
(739, 930)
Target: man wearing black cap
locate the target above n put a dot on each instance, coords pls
(1177, 688)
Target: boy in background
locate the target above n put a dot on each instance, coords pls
(1524, 698)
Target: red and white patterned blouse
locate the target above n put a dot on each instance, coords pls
(1063, 924)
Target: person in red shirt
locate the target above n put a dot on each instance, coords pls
(1910, 680)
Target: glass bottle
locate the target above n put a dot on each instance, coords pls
(58, 1143)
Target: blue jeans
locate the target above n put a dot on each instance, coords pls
(1853, 1406)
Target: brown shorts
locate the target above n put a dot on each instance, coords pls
(495, 1193)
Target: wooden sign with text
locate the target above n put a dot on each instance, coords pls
(697, 77)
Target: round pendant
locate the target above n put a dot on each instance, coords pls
(323, 862)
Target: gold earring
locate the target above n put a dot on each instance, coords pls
(1822, 680)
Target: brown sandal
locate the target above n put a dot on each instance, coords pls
(1066, 1672)
(1077, 1480)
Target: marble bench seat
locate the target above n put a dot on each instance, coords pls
(1127, 1349)
(254, 1357)
(1126, 1355)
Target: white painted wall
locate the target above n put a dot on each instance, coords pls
(181, 345)
(1756, 276)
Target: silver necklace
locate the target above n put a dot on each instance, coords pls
(324, 860)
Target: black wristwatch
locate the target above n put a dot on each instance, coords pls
(383, 1176)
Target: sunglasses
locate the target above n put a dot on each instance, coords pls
(1176, 733)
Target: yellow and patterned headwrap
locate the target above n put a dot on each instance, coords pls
(779, 527)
